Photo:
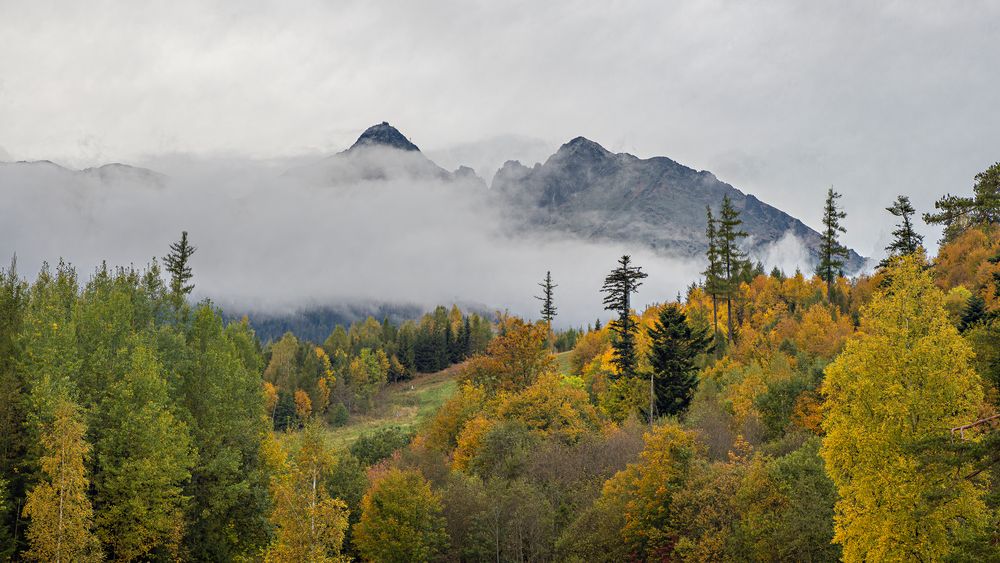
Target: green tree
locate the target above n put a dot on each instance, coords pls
(13, 444)
(224, 404)
(548, 307)
(714, 274)
(902, 380)
(177, 266)
(673, 350)
(62, 521)
(401, 520)
(733, 260)
(831, 253)
(618, 288)
(144, 461)
(905, 239)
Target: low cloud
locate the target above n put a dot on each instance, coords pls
(271, 242)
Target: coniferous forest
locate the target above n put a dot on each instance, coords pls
(762, 416)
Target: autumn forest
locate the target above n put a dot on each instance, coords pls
(762, 416)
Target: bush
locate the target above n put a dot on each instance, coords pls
(381, 444)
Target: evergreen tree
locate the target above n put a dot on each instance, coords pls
(225, 413)
(905, 239)
(61, 527)
(986, 195)
(618, 288)
(548, 308)
(714, 275)
(732, 259)
(975, 311)
(13, 444)
(673, 349)
(832, 253)
(177, 265)
(954, 213)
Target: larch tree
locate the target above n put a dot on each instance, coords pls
(900, 383)
(831, 253)
(714, 281)
(732, 259)
(618, 288)
(673, 350)
(905, 240)
(177, 266)
(548, 306)
(61, 516)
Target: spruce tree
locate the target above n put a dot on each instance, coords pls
(732, 259)
(832, 253)
(548, 308)
(714, 282)
(905, 239)
(674, 347)
(177, 265)
(618, 288)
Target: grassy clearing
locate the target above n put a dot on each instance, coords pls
(562, 363)
(406, 404)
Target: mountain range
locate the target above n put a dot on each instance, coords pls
(583, 190)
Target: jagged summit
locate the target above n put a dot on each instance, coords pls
(583, 146)
(384, 135)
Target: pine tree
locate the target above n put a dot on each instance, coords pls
(714, 282)
(618, 288)
(905, 239)
(832, 253)
(177, 265)
(674, 347)
(986, 195)
(732, 259)
(548, 308)
(62, 519)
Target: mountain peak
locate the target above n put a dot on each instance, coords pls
(582, 146)
(384, 135)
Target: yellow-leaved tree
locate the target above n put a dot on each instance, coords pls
(903, 379)
(62, 518)
(309, 525)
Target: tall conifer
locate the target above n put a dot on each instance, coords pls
(732, 259)
(832, 253)
(618, 288)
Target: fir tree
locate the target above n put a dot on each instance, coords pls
(673, 349)
(548, 308)
(714, 282)
(177, 265)
(732, 259)
(905, 239)
(618, 288)
(832, 253)
(975, 311)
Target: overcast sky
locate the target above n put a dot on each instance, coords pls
(781, 99)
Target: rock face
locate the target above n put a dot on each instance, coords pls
(381, 153)
(383, 135)
(591, 192)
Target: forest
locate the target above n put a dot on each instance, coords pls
(763, 416)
